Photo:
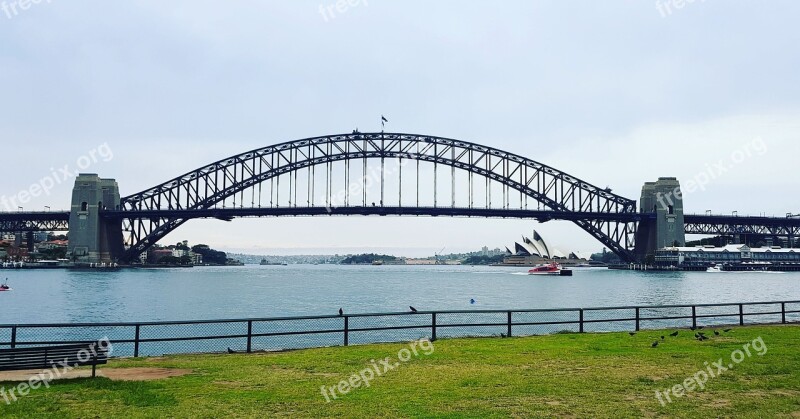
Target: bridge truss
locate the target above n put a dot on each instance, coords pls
(15, 222)
(728, 225)
(351, 171)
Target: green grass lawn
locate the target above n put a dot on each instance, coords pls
(576, 375)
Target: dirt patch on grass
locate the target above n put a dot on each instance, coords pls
(720, 403)
(142, 374)
(116, 374)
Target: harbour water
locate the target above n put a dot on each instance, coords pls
(61, 296)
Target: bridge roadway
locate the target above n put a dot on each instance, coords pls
(695, 223)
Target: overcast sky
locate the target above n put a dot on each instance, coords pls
(616, 93)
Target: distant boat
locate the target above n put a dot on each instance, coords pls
(714, 268)
(377, 262)
(264, 262)
(552, 268)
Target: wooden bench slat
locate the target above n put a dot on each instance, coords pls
(46, 357)
(49, 356)
(48, 348)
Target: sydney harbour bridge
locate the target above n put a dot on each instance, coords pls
(380, 174)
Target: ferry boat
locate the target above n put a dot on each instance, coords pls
(552, 268)
(4, 286)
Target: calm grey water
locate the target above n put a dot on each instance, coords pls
(265, 291)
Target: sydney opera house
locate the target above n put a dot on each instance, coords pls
(536, 250)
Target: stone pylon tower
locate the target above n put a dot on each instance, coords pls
(664, 198)
(93, 239)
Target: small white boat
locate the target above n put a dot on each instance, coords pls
(714, 268)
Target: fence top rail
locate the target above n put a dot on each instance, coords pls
(388, 314)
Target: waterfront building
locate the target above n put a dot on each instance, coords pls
(54, 244)
(732, 254)
(154, 255)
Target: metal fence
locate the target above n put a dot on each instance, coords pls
(279, 333)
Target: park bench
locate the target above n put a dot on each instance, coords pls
(61, 356)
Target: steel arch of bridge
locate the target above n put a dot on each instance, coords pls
(212, 184)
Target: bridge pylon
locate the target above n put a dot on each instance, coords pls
(94, 239)
(663, 197)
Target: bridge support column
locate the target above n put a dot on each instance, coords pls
(663, 197)
(93, 239)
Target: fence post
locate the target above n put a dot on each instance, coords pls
(509, 324)
(580, 321)
(136, 343)
(13, 337)
(783, 313)
(433, 326)
(694, 316)
(249, 336)
(637, 319)
(346, 332)
(741, 315)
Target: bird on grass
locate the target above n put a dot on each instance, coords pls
(502, 335)
(700, 327)
(631, 333)
(662, 337)
(341, 312)
(693, 328)
(696, 335)
(716, 333)
(231, 351)
(654, 344)
(413, 310)
(727, 330)
(674, 334)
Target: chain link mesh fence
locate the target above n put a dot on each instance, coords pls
(609, 320)
(471, 324)
(792, 312)
(154, 339)
(273, 335)
(762, 313)
(531, 323)
(393, 328)
(665, 317)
